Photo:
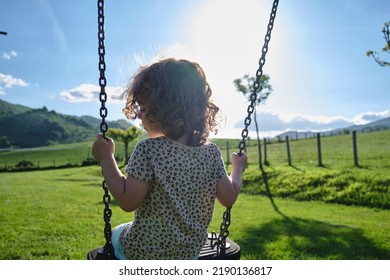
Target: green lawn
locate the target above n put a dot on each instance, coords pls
(57, 214)
(337, 211)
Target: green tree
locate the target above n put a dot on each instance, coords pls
(125, 136)
(386, 48)
(245, 86)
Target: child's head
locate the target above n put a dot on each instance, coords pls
(175, 95)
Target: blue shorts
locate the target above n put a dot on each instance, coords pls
(116, 232)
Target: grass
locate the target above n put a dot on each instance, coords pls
(284, 229)
(57, 214)
(337, 181)
(57, 155)
(336, 211)
(60, 155)
(48, 214)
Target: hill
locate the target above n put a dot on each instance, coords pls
(24, 127)
(372, 126)
(382, 124)
(8, 109)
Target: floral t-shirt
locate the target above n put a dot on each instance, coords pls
(173, 219)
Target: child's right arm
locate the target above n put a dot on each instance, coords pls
(128, 192)
(228, 188)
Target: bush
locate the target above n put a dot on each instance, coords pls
(24, 164)
(89, 161)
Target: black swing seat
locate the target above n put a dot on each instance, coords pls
(210, 251)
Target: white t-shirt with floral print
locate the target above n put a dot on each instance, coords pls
(173, 219)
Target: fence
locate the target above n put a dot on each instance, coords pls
(319, 151)
(356, 149)
(348, 149)
(51, 157)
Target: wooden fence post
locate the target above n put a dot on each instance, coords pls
(227, 153)
(319, 149)
(265, 152)
(355, 152)
(288, 151)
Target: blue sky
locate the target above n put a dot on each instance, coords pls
(320, 74)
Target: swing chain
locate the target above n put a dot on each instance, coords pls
(224, 229)
(102, 68)
(224, 232)
(259, 73)
(108, 249)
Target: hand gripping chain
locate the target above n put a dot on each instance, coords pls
(259, 73)
(224, 231)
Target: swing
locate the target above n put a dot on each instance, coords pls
(218, 246)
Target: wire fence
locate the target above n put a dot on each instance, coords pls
(321, 149)
(349, 148)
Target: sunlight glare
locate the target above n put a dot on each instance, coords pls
(225, 37)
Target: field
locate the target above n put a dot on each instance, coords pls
(301, 211)
(336, 181)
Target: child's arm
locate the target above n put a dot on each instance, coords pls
(228, 188)
(128, 192)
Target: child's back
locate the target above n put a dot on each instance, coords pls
(174, 176)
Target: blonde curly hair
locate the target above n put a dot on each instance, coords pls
(178, 97)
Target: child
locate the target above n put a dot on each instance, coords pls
(174, 176)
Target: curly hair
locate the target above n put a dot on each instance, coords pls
(178, 97)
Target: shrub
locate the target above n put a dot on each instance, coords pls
(24, 164)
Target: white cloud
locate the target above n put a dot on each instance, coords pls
(371, 116)
(9, 81)
(271, 123)
(90, 92)
(9, 55)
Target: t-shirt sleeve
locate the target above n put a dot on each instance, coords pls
(139, 165)
(219, 163)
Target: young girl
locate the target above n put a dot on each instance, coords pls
(174, 176)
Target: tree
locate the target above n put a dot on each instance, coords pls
(245, 86)
(125, 136)
(386, 48)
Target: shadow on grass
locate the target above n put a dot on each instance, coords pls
(289, 238)
(269, 194)
(296, 238)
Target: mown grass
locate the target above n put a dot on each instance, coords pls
(56, 155)
(57, 214)
(284, 229)
(336, 181)
(61, 155)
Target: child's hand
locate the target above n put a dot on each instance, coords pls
(239, 161)
(103, 148)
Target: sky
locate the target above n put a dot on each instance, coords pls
(317, 63)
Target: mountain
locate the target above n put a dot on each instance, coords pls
(376, 125)
(372, 126)
(24, 127)
(8, 109)
(94, 122)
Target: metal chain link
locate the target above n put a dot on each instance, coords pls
(224, 229)
(102, 68)
(386, 32)
(224, 232)
(259, 73)
(108, 249)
